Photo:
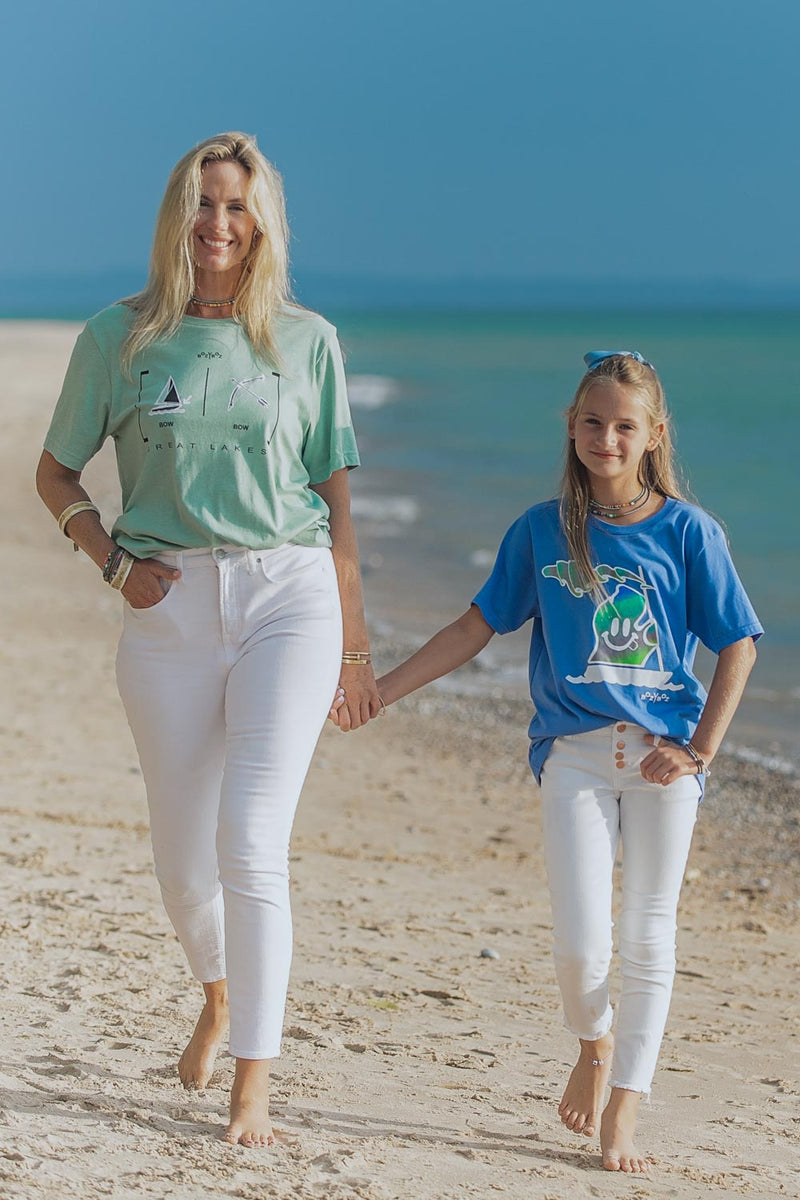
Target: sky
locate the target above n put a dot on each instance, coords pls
(419, 139)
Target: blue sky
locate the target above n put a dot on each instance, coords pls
(420, 139)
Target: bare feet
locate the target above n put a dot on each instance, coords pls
(250, 1124)
(617, 1130)
(197, 1061)
(585, 1091)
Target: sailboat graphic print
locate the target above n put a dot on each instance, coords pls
(169, 400)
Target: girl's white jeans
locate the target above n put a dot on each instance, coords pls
(593, 796)
(226, 683)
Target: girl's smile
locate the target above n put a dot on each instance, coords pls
(612, 433)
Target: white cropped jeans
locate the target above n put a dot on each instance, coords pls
(226, 683)
(593, 795)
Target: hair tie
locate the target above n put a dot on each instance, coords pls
(593, 358)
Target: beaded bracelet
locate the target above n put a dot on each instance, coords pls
(117, 567)
(120, 576)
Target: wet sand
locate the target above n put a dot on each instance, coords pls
(411, 1064)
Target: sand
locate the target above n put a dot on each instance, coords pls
(412, 1066)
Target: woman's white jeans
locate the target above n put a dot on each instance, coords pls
(226, 683)
(593, 795)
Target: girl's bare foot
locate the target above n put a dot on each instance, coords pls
(617, 1130)
(583, 1096)
(250, 1124)
(197, 1061)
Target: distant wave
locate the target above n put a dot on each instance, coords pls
(386, 511)
(371, 391)
(762, 758)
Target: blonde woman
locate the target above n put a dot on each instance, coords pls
(621, 577)
(237, 563)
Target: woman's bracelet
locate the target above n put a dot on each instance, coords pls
(700, 762)
(71, 511)
(356, 658)
(117, 567)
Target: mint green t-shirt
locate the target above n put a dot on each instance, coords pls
(214, 444)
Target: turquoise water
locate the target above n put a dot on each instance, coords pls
(460, 426)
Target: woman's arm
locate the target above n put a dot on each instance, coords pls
(59, 487)
(668, 760)
(451, 647)
(361, 699)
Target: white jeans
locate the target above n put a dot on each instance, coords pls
(226, 683)
(593, 794)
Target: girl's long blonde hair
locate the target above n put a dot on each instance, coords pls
(264, 284)
(657, 468)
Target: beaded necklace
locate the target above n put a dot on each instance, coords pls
(610, 512)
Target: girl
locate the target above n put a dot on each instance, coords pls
(621, 576)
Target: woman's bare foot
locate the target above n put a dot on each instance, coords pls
(617, 1130)
(197, 1061)
(583, 1096)
(250, 1124)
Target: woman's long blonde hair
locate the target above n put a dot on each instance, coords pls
(657, 468)
(264, 283)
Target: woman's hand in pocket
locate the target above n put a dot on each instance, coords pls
(148, 582)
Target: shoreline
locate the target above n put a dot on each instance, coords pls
(410, 1064)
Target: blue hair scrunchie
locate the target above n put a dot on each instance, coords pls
(593, 358)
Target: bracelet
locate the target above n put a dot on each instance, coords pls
(382, 710)
(357, 658)
(117, 567)
(700, 762)
(120, 576)
(71, 511)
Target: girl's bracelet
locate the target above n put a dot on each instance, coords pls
(700, 762)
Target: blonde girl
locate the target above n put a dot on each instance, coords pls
(236, 560)
(621, 577)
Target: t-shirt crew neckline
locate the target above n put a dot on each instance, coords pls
(629, 530)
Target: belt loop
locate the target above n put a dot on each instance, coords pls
(250, 559)
(179, 561)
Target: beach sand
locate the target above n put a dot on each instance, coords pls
(411, 1066)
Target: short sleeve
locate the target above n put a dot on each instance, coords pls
(331, 442)
(510, 596)
(80, 421)
(718, 609)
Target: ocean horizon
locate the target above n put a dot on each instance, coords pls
(459, 420)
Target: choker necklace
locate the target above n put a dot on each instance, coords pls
(212, 303)
(610, 512)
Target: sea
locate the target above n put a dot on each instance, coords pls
(460, 420)
(460, 423)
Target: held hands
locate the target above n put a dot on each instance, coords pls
(148, 583)
(357, 700)
(667, 762)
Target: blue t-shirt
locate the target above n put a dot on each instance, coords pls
(669, 581)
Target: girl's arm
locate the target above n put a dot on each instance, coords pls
(668, 760)
(451, 647)
(361, 700)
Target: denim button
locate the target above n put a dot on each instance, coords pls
(620, 745)
(620, 763)
(621, 728)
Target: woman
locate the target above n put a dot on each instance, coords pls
(237, 560)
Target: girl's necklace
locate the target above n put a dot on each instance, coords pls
(610, 512)
(211, 303)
